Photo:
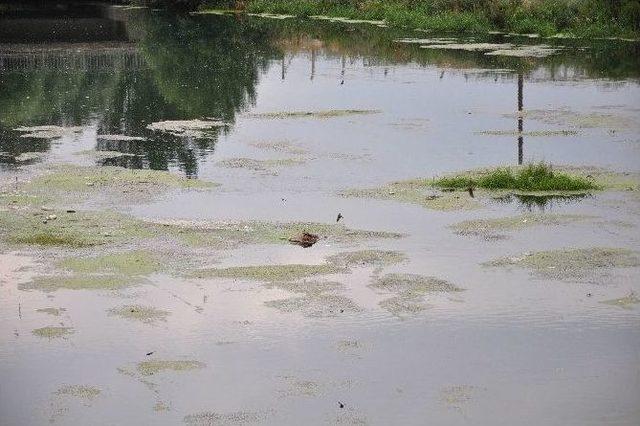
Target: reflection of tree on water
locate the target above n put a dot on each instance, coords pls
(195, 70)
(541, 202)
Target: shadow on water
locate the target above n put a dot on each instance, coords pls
(144, 67)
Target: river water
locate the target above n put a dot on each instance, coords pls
(511, 348)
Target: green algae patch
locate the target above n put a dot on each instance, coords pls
(573, 264)
(566, 117)
(495, 228)
(533, 177)
(334, 113)
(73, 230)
(47, 132)
(417, 191)
(129, 263)
(146, 314)
(51, 311)
(269, 273)
(281, 146)
(79, 282)
(409, 291)
(197, 129)
(626, 302)
(532, 133)
(366, 258)
(306, 286)
(88, 179)
(235, 234)
(149, 368)
(214, 419)
(52, 332)
(260, 165)
(79, 391)
(316, 305)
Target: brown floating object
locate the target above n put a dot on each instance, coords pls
(304, 239)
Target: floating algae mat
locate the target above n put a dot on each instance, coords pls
(579, 120)
(315, 114)
(146, 314)
(417, 191)
(409, 291)
(233, 418)
(533, 133)
(574, 264)
(128, 263)
(315, 304)
(259, 165)
(51, 311)
(269, 273)
(494, 228)
(52, 332)
(79, 282)
(626, 302)
(367, 258)
(79, 391)
(198, 129)
(149, 368)
(47, 132)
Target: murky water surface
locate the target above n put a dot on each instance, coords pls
(290, 114)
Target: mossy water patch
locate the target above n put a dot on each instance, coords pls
(417, 191)
(626, 302)
(531, 133)
(52, 332)
(260, 165)
(495, 228)
(280, 146)
(128, 263)
(234, 234)
(150, 368)
(409, 291)
(215, 419)
(79, 391)
(146, 314)
(318, 305)
(306, 286)
(573, 264)
(333, 113)
(580, 120)
(79, 282)
(367, 258)
(90, 179)
(198, 129)
(47, 132)
(269, 273)
(51, 311)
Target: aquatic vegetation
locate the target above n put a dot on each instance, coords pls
(437, 40)
(269, 273)
(79, 282)
(126, 138)
(47, 132)
(573, 264)
(52, 332)
(625, 302)
(533, 133)
(591, 120)
(366, 258)
(89, 179)
(306, 286)
(457, 396)
(101, 155)
(533, 177)
(146, 314)
(259, 165)
(417, 191)
(149, 368)
(213, 419)
(51, 311)
(281, 146)
(315, 114)
(128, 263)
(471, 47)
(409, 291)
(198, 129)
(51, 239)
(79, 391)
(494, 228)
(314, 304)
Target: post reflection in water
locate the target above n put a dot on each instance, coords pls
(520, 120)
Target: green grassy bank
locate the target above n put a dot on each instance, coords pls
(582, 18)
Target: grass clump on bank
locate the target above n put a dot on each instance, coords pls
(545, 17)
(534, 177)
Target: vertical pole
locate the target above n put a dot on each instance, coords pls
(520, 119)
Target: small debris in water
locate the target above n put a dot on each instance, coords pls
(339, 217)
(305, 239)
(340, 404)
